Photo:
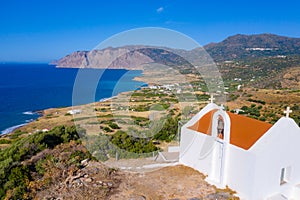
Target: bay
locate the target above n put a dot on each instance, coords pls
(26, 88)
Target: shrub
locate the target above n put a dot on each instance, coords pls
(5, 141)
(256, 101)
(107, 129)
(168, 131)
(132, 144)
(113, 125)
(14, 176)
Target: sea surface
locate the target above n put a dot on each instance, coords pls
(27, 88)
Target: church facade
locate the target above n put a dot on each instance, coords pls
(256, 159)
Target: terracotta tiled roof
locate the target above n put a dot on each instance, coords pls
(204, 125)
(244, 131)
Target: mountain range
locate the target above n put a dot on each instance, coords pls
(250, 46)
(237, 47)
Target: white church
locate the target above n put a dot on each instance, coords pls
(258, 160)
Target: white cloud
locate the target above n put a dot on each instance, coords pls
(160, 9)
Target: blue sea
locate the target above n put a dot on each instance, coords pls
(27, 88)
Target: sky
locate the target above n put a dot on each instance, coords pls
(45, 30)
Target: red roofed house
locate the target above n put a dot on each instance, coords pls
(257, 160)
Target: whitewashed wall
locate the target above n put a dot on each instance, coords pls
(240, 172)
(191, 144)
(190, 151)
(278, 148)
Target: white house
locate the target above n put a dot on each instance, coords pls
(74, 112)
(258, 160)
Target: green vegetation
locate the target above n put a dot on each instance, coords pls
(257, 101)
(267, 114)
(113, 125)
(107, 129)
(252, 111)
(296, 113)
(16, 134)
(141, 121)
(14, 174)
(263, 72)
(120, 144)
(168, 131)
(160, 107)
(202, 97)
(186, 111)
(233, 97)
(101, 109)
(5, 141)
(131, 143)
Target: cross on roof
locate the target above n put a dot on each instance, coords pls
(222, 107)
(211, 98)
(288, 111)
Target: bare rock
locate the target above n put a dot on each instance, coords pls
(137, 197)
(219, 196)
(85, 162)
(109, 184)
(88, 180)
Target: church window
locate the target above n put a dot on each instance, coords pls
(284, 175)
(220, 127)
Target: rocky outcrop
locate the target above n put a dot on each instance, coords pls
(112, 58)
(74, 59)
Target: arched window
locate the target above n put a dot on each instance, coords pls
(220, 127)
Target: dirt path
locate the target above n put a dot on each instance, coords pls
(176, 182)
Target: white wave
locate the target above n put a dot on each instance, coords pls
(11, 129)
(103, 99)
(106, 99)
(28, 113)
